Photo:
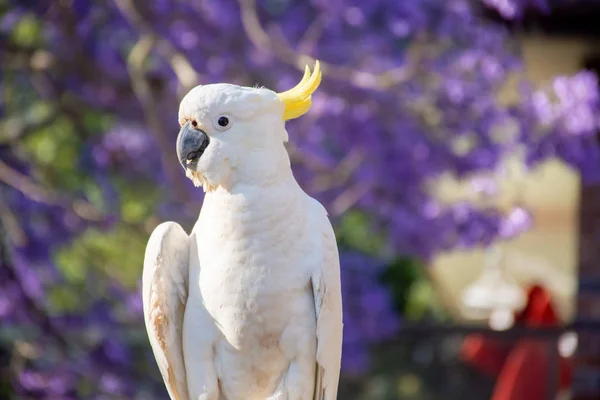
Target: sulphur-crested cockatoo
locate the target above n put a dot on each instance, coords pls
(248, 307)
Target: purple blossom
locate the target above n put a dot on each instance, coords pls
(443, 118)
(514, 9)
(516, 222)
(562, 121)
(369, 316)
(54, 384)
(127, 148)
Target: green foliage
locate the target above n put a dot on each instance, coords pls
(64, 298)
(413, 292)
(55, 149)
(414, 295)
(138, 201)
(96, 122)
(117, 253)
(401, 276)
(28, 32)
(354, 231)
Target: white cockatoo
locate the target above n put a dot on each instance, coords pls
(249, 306)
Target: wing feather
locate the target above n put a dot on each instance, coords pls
(326, 285)
(165, 291)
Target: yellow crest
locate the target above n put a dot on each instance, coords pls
(298, 99)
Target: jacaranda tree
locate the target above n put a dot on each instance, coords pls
(89, 92)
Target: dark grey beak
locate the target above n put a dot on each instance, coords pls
(191, 143)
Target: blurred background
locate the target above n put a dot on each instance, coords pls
(454, 143)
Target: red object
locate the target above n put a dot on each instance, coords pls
(522, 367)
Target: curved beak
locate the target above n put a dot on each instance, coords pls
(191, 144)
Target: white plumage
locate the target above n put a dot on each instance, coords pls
(248, 307)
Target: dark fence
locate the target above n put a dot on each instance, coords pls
(424, 362)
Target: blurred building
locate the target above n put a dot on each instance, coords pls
(562, 250)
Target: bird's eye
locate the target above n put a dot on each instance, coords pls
(222, 122)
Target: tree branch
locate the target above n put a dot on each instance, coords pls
(348, 198)
(15, 129)
(38, 193)
(265, 42)
(342, 172)
(135, 65)
(181, 66)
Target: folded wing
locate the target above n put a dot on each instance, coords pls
(328, 305)
(165, 291)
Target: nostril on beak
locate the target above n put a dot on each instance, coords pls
(192, 157)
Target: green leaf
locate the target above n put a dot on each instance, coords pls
(400, 276)
(138, 201)
(420, 297)
(56, 149)
(64, 299)
(354, 231)
(27, 32)
(118, 253)
(96, 122)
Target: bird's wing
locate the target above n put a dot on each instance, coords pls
(165, 291)
(328, 304)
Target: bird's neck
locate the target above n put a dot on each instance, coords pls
(259, 187)
(248, 206)
(259, 169)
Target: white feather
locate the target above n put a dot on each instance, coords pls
(165, 292)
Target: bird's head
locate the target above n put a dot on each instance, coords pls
(232, 134)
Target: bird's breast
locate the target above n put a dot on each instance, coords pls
(255, 265)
